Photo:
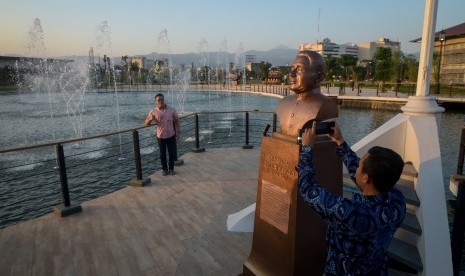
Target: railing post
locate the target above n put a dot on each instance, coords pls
(177, 161)
(458, 228)
(247, 146)
(275, 119)
(197, 139)
(461, 158)
(66, 209)
(138, 182)
(135, 140)
(63, 176)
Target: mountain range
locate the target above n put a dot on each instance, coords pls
(277, 57)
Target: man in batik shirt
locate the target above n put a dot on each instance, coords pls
(359, 229)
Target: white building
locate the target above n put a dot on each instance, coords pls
(327, 48)
(142, 62)
(366, 50)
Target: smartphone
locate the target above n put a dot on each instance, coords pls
(324, 127)
(321, 127)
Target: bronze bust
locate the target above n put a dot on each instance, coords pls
(308, 70)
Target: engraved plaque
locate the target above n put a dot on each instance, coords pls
(275, 205)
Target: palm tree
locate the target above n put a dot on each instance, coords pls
(125, 65)
(348, 62)
(134, 68)
(383, 59)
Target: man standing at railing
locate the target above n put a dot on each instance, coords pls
(168, 128)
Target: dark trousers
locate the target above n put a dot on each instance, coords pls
(170, 144)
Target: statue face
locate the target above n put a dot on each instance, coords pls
(303, 77)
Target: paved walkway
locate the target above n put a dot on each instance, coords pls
(370, 92)
(365, 92)
(174, 226)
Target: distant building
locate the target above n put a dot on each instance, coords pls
(142, 62)
(452, 55)
(253, 67)
(274, 76)
(366, 50)
(327, 48)
(11, 66)
(24, 63)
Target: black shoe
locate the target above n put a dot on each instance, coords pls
(164, 173)
(172, 172)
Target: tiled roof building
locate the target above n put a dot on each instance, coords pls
(452, 55)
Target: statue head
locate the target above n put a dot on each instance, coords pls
(308, 70)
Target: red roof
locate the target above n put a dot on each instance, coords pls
(452, 32)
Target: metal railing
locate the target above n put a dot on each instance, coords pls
(458, 224)
(276, 89)
(35, 178)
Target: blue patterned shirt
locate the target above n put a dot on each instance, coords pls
(359, 229)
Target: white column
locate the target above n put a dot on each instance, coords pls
(427, 45)
(422, 103)
(423, 149)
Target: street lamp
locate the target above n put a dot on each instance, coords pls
(442, 37)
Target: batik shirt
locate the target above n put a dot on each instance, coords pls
(359, 229)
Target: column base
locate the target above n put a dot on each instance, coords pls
(63, 211)
(139, 182)
(422, 105)
(197, 150)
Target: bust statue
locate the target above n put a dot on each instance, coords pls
(307, 102)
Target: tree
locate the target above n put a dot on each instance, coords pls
(134, 68)
(348, 62)
(125, 65)
(264, 67)
(284, 71)
(333, 69)
(396, 67)
(383, 61)
(411, 68)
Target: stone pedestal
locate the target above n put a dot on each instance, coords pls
(289, 237)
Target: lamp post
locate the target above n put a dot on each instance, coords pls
(442, 37)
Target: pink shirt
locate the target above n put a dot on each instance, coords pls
(165, 121)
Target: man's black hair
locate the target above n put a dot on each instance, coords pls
(159, 95)
(384, 166)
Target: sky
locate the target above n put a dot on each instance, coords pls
(133, 27)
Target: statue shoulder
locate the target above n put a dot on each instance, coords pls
(286, 102)
(329, 109)
(289, 98)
